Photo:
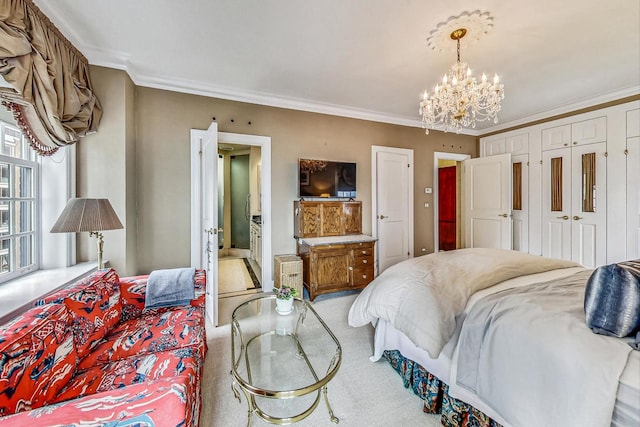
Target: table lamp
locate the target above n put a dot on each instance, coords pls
(92, 215)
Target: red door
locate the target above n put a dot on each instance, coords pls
(447, 208)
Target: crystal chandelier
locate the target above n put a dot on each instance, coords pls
(460, 100)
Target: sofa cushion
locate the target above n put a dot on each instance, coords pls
(95, 307)
(612, 299)
(133, 291)
(165, 402)
(185, 361)
(150, 333)
(37, 358)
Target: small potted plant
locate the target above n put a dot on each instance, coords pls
(284, 298)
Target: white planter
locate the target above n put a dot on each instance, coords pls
(284, 306)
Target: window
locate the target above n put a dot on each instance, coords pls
(18, 204)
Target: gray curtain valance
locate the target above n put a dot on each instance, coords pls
(50, 95)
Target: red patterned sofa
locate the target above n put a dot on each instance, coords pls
(91, 354)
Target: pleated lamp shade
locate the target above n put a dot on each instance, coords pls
(87, 215)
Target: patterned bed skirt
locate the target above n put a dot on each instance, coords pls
(435, 393)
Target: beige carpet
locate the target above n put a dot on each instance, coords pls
(362, 393)
(233, 276)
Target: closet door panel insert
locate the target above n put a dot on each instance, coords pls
(589, 131)
(518, 144)
(520, 200)
(556, 137)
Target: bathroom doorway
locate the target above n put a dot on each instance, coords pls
(239, 218)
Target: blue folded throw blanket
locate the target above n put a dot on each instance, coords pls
(171, 287)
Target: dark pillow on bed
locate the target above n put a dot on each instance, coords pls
(612, 299)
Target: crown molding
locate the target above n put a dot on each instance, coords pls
(264, 98)
(564, 109)
(121, 61)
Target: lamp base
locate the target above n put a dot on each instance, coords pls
(100, 244)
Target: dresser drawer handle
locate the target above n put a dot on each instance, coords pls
(364, 261)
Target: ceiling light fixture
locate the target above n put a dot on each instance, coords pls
(460, 100)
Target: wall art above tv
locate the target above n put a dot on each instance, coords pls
(326, 178)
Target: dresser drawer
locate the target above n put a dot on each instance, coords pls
(362, 276)
(362, 261)
(364, 250)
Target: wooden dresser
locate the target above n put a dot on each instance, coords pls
(335, 255)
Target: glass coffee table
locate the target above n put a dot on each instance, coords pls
(279, 361)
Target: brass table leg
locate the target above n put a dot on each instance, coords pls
(334, 419)
(250, 405)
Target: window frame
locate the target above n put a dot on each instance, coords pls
(35, 198)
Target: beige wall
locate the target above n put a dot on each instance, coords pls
(163, 121)
(106, 168)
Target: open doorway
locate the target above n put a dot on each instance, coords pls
(447, 200)
(239, 220)
(204, 211)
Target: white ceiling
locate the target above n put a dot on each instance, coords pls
(366, 59)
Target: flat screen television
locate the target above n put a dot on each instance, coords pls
(325, 178)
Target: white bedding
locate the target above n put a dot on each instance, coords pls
(390, 337)
(422, 296)
(529, 354)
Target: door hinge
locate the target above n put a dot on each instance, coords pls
(606, 154)
(540, 161)
(626, 152)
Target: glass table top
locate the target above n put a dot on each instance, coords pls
(279, 356)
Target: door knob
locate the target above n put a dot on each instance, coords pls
(565, 217)
(383, 217)
(577, 218)
(503, 215)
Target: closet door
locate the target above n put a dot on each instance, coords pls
(487, 192)
(633, 198)
(589, 204)
(633, 184)
(556, 203)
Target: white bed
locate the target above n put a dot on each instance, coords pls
(403, 282)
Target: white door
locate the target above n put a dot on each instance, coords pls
(589, 205)
(521, 215)
(209, 197)
(633, 198)
(392, 184)
(556, 203)
(487, 202)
